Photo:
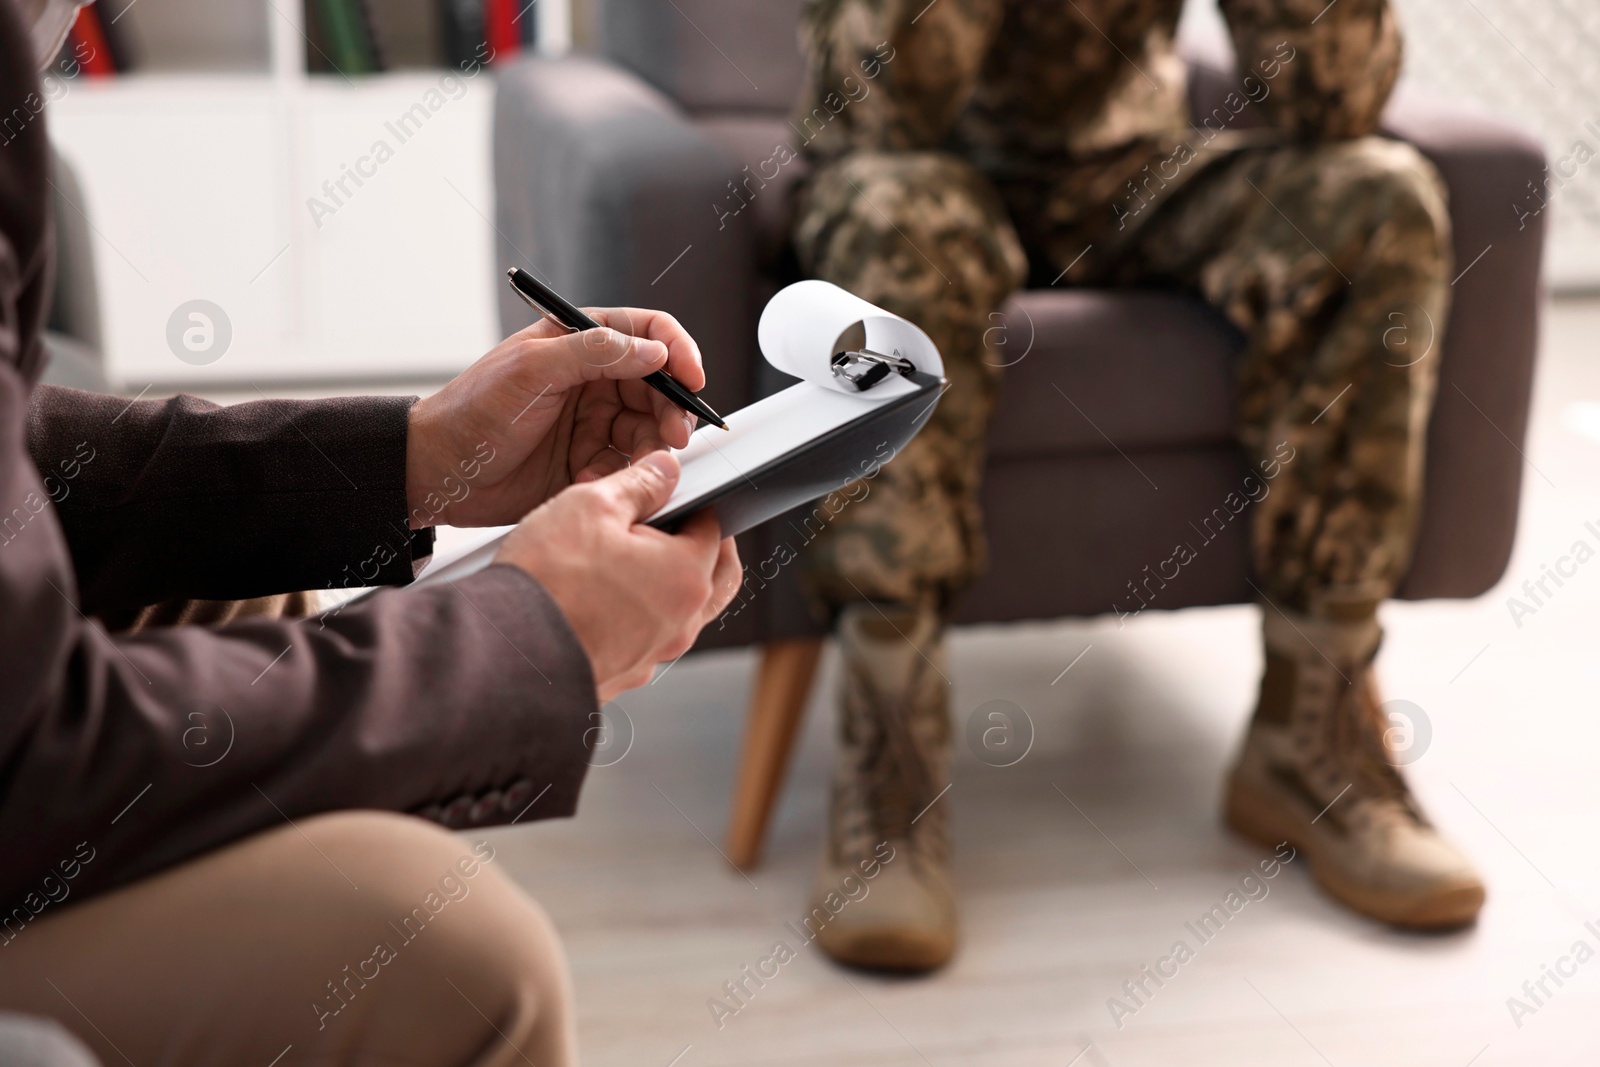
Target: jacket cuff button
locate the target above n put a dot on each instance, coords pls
(516, 798)
(485, 807)
(455, 812)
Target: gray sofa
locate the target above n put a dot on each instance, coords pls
(613, 174)
(610, 167)
(72, 333)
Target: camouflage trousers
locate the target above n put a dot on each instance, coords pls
(1323, 255)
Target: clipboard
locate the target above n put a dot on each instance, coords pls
(821, 466)
(864, 405)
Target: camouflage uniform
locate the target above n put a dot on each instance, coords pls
(967, 147)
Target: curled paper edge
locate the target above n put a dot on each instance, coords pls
(802, 321)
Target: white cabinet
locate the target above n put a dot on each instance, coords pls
(188, 193)
(398, 277)
(203, 185)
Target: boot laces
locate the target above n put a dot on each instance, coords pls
(1344, 729)
(889, 784)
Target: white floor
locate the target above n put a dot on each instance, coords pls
(1059, 912)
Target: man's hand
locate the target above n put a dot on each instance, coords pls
(545, 409)
(634, 596)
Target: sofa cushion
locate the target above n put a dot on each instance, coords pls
(1150, 369)
(1092, 370)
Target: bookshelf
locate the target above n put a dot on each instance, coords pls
(213, 171)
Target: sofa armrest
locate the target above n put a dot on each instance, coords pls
(75, 304)
(607, 190)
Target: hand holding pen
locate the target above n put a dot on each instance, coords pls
(546, 408)
(553, 306)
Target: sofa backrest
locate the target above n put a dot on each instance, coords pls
(711, 56)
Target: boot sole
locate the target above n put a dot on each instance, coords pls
(889, 952)
(1265, 819)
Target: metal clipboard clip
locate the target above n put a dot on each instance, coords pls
(864, 369)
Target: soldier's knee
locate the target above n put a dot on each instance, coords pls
(932, 215)
(1390, 185)
(918, 173)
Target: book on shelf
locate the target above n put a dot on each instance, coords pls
(95, 45)
(344, 37)
(474, 31)
(115, 32)
(339, 38)
(504, 35)
(463, 33)
(362, 36)
(528, 15)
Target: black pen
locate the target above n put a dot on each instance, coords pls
(553, 306)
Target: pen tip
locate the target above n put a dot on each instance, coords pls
(722, 426)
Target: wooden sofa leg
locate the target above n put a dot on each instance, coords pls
(782, 684)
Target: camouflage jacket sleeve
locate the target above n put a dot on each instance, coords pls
(889, 74)
(1330, 65)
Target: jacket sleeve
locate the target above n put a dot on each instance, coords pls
(147, 749)
(1331, 67)
(122, 755)
(179, 498)
(889, 75)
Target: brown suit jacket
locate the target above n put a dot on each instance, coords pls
(142, 750)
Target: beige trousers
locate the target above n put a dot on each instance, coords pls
(358, 937)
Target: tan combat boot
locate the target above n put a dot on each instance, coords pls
(1316, 770)
(883, 899)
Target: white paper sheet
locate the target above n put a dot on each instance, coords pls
(802, 321)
